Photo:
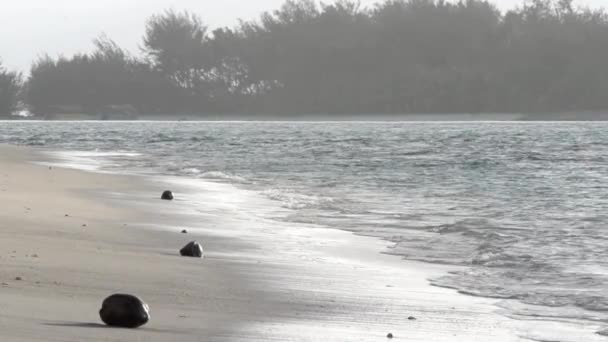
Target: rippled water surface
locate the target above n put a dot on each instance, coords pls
(523, 205)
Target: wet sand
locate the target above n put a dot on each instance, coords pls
(259, 281)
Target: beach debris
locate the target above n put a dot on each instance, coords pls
(390, 335)
(125, 311)
(167, 195)
(67, 215)
(184, 231)
(84, 225)
(193, 249)
(412, 318)
(18, 278)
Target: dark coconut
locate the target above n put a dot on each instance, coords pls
(167, 195)
(125, 311)
(193, 249)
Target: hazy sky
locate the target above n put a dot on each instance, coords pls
(33, 27)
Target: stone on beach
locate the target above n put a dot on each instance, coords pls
(167, 195)
(193, 249)
(125, 311)
(184, 231)
(390, 335)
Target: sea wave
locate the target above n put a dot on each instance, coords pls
(293, 200)
(218, 175)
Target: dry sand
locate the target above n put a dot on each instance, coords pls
(270, 284)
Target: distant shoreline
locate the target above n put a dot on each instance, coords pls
(565, 116)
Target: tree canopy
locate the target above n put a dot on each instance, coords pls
(399, 56)
(10, 85)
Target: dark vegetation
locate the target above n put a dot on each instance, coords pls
(415, 56)
(10, 86)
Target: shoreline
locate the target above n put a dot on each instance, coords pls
(255, 284)
(404, 117)
(69, 264)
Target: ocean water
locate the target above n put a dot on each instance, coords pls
(522, 206)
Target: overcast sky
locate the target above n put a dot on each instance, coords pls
(33, 27)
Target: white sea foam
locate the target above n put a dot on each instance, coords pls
(222, 176)
(99, 161)
(294, 200)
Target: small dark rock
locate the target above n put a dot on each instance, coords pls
(184, 231)
(167, 195)
(18, 278)
(193, 249)
(390, 335)
(125, 311)
(412, 318)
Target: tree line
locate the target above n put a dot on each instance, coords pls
(10, 87)
(399, 56)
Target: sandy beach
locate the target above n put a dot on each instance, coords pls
(70, 238)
